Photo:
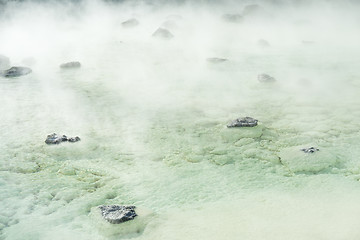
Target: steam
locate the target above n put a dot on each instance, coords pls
(152, 113)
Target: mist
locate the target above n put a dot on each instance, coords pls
(159, 82)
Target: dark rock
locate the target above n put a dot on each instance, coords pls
(70, 65)
(243, 122)
(263, 43)
(117, 214)
(216, 60)
(234, 18)
(73, 139)
(309, 150)
(56, 139)
(163, 33)
(4, 62)
(266, 78)
(132, 22)
(16, 71)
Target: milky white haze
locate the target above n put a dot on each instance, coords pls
(152, 117)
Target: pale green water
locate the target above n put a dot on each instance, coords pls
(152, 116)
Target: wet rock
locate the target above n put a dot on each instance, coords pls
(74, 139)
(243, 122)
(234, 18)
(57, 139)
(265, 78)
(16, 71)
(298, 162)
(309, 150)
(4, 62)
(216, 60)
(132, 22)
(70, 65)
(263, 43)
(163, 33)
(117, 214)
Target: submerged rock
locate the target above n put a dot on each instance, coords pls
(310, 150)
(216, 60)
(4, 62)
(117, 214)
(163, 33)
(56, 139)
(16, 71)
(132, 22)
(234, 18)
(243, 122)
(265, 78)
(70, 65)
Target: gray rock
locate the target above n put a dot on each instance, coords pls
(117, 214)
(163, 33)
(70, 65)
(73, 139)
(234, 18)
(216, 60)
(132, 22)
(16, 71)
(56, 139)
(4, 62)
(265, 78)
(309, 150)
(243, 122)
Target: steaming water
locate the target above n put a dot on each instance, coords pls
(152, 117)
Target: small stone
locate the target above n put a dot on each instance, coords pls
(73, 139)
(243, 122)
(163, 33)
(132, 22)
(16, 72)
(309, 150)
(265, 78)
(70, 65)
(216, 60)
(234, 18)
(57, 139)
(116, 214)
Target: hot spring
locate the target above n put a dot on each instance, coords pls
(152, 110)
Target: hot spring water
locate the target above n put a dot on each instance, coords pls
(152, 116)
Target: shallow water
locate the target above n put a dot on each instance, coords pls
(152, 117)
